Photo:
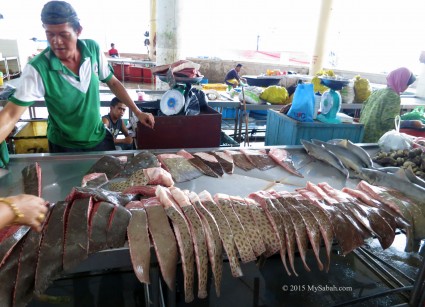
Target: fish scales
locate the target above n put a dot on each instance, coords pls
(284, 159)
(310, 222)
(270, 238)
(324, 223)
(259, 159)
(251, 229)
(240, 160)
(10, 269)
(225, 232)
(144, 159)
(32, 179)
(26, 271)
(368, 218)
(239, 235)
(117, 228)
(109, 165)
(184, 241)
(11, 236)
(77, 233)
(198, 237)
(139, 244)
(297, 221)
(212, 236)
(49, 264)
(211, 161)
(225, 160)
(180, 168)
(200, 248)
(98, 226)
(163, 240)
(347, 236)
(279, 222)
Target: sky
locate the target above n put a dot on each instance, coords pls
(364, 35)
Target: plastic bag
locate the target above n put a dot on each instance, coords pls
(417, 113)
(275, 94)
(394, 140)
(302, 108)
(252, 95)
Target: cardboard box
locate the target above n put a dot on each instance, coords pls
(31, 138)
(283, 130)
(180, 131)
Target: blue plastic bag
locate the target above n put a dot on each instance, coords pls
(302, 108)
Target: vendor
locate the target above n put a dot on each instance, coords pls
(380, 109)
(67, 75)
(232, 77)
(113, 121)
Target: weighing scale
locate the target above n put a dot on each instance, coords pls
(173, 100)
(330, 103)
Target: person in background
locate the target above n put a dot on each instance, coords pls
(113, 121)
(113, 52)
(67, 75)
(22, 209)
(382, 106)
(232, 77)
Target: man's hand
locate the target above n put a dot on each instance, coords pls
(146, 119)
(127, 140)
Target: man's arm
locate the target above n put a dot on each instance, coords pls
(9, 116)
(128, 139)
(118, 89)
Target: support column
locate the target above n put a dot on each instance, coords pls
(168, 31)
(152, 32)
(316, 61)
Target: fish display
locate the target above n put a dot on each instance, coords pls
(31, 175)
(198, 163)
(199, 230)
(283, 158)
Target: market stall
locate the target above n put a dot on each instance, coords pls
(62, 173)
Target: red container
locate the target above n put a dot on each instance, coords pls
(118, 71)
(180, 131)
(147, 76)
(136, 74)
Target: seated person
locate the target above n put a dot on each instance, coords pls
(113, 52)
(232, 78)
(113, 121)
(383, 105)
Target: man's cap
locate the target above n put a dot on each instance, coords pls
(239, 65)
(58, 12)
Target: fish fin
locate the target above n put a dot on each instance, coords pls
(401, 175)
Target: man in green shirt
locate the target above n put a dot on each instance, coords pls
(67, 75)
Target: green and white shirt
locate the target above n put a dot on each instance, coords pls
(73, 102)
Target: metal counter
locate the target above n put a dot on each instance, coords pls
(60, 173)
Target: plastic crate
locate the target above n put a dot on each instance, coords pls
(31, 138)
(283, 130)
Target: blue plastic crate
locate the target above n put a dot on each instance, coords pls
(283, 130)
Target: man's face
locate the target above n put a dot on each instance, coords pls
(118, 111)
(62, 39)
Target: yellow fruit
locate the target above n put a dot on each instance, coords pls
(362, 89)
